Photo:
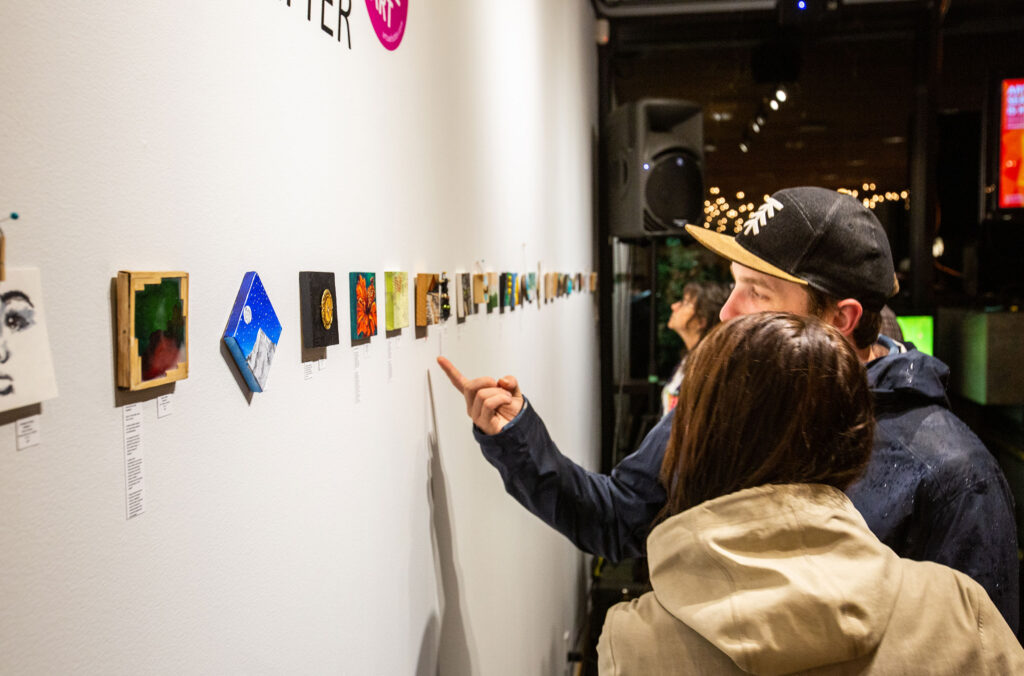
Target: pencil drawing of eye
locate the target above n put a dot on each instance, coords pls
(18, 311)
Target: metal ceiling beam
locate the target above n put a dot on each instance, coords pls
(642, 8)
(646, 9)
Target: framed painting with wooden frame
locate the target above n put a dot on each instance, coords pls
(152, 328)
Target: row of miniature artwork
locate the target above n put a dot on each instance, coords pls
(152, 314)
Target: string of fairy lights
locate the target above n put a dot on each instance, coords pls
(720, 211)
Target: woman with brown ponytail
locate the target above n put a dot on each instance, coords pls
(760, 563)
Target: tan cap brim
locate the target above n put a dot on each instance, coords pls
(726, 247)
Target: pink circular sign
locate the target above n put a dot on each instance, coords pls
(388, 19)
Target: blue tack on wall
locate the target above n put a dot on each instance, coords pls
(253, 332)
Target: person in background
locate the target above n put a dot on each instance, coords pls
(692, 317)
(760, 564)
(890, 327)
(931, 491)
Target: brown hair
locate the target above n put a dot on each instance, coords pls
(708, 299)
(767, 398)
(864, 334)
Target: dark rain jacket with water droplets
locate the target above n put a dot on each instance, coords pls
(932, 491)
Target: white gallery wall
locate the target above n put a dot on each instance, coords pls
(343, 523)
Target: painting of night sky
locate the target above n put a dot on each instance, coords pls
(253, 332)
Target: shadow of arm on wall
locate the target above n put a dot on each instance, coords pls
(445, 648)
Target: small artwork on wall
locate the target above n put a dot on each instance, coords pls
(465, 295)
(460, 312)
(493, 291)
(152, 328)
(26, 369)
(434, 304)
(428, 300)
(253, 332)
(479, 289)
(363, 304)
(318, 299)
(396, 310)
(444, 297)
(593, 282)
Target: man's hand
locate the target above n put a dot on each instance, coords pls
(491, 404)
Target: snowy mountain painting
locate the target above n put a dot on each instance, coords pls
(260, 357)
(253, 332)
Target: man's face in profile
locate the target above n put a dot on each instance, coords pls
(758, 292)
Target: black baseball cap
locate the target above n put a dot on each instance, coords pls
(815, 237)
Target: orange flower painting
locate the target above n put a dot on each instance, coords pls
(363, 304)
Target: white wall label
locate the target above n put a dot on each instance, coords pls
(355, 375)
(27, 431)
(321, 365)
(164, 405)
(133, 477)
(307, 370)
(391, 373)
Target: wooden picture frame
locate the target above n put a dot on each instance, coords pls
(428, 299)
(154, 304)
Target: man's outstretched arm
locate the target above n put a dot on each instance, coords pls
(605, 515)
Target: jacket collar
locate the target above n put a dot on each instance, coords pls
(781, 578)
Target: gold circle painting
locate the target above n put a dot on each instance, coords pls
(327, 309)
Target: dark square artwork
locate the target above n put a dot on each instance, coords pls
(318, 299)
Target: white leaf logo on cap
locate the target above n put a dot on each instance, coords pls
(760, 217)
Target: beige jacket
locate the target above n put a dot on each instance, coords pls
(788, 579)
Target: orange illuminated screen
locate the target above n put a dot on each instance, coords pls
(1011, 144)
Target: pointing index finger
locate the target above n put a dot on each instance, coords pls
(454, 375)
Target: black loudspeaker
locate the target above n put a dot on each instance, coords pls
(655, 164)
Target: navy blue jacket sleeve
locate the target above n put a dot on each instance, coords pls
(975, 532)
(605, 515)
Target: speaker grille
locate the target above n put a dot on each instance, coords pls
(674, 191)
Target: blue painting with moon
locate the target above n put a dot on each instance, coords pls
(253, 331)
